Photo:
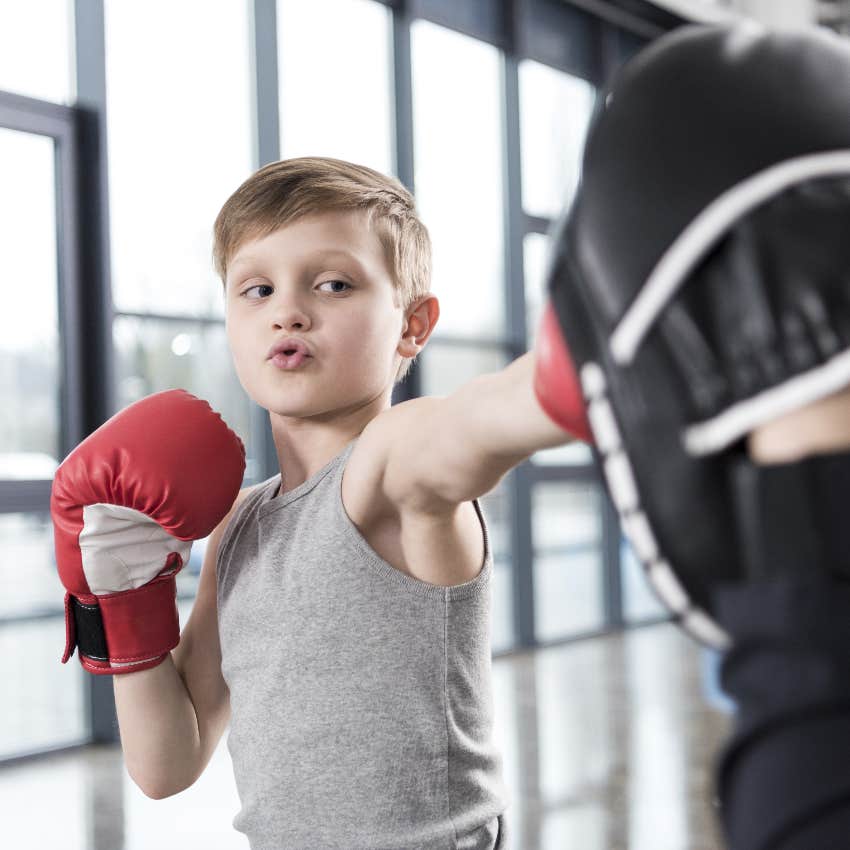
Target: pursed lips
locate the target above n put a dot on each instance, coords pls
(289, 346)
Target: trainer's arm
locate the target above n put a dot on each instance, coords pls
(822, 427)
(447, 450)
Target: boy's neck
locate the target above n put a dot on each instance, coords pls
(304, 446)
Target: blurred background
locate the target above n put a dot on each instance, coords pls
(124, 126)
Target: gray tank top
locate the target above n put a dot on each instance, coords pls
(362, 705)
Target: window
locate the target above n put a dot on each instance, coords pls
(555, 109)
(180, 141)
(458, 175)
(568, 561)
(29, 330)
(49, 703)
(335, 81)
(36, 53)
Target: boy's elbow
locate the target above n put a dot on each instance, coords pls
(159, 791)
(154, 793)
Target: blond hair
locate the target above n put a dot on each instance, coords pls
(281, 192)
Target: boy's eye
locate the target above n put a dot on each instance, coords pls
(339, 282)
(337, 287)
(251, 288)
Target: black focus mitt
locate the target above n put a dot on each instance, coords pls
(701, 281)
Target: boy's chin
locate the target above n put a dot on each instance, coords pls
(291, 407)
(289, 410)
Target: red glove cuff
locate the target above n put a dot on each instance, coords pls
(136, 628)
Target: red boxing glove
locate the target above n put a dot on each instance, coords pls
(126, 505)
(556, 384)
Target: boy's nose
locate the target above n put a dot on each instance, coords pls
(291, 317)
(289, 309)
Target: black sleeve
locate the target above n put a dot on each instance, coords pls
(783, 779)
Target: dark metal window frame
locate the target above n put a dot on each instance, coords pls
(64, 126)
(598, 34)
(59, 123)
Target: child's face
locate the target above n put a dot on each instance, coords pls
(282, 286)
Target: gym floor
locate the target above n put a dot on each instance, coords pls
(607, 745)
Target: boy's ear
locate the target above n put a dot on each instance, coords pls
(421, 317)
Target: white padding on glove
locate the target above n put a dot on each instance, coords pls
(122, 548)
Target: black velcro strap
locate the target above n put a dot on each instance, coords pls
(91, 639)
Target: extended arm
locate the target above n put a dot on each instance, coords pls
(446, 450)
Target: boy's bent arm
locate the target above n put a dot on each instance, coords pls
(172, 716)
(446, 450)
(159, 729)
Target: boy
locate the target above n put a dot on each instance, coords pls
(342, 621)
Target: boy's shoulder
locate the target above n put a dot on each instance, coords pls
(434, 541)
(241, 496)
(386, 472)
(390, 439)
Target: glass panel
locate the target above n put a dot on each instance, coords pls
(28, 566)
(535, 249)
(155, 355)
(36, 50)
(45, 706)
(180, 142)
(48, 707)
(335, 94)
(567, 533)
(458, 142)
(554, 112)
(29, 330)
(639, 600)
(447, 367)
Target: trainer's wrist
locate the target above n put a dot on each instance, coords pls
(822, 427)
